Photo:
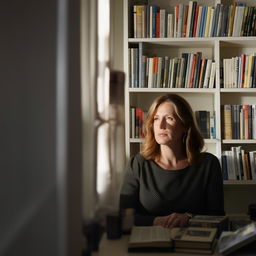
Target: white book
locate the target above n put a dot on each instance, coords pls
(162, 23)
(212, 75)
(230, 168)
(134, 21)
(240, 14)
(252, 156)
(207, 74)
(198, 20)
(170, 25)
(230, 73)
(190, 6)
(150, 72)
(233, 72)
(172, 85)
(170, 72)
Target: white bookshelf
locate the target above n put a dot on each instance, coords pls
(214, 48)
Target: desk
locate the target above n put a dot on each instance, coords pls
(119, 247)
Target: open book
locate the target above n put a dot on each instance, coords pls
(157, 238)
(231, 241)
(148, 238)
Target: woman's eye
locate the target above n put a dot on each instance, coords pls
(169, 118)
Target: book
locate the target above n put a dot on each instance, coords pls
(210, 221)
(150, 238)
(197, 251)
(158, 238)
(193, 237)
(231, 241)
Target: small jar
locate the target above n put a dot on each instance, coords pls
(127, 220)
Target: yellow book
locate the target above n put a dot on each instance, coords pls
(231, 20)
(207, 26)
(139, 21)
(248, 73)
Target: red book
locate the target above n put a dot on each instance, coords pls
(176, 20)
(158, 24)
(246, 121)
(185, 21)
(192, 71)
(195, 21)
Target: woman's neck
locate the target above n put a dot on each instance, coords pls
(172, 158)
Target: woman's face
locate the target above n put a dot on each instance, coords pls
(168, 129)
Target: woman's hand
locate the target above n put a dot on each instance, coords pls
(172, 220)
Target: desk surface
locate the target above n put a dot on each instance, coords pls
(119, 247)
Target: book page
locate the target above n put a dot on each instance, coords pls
(146, 234)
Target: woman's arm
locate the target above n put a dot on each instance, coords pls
(214, 189)
(129, 196)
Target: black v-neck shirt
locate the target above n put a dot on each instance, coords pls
(153, 191)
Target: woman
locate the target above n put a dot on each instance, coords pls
(171, 178)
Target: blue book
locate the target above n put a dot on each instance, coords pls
(153, 10)
(224, 167)
(202, 21)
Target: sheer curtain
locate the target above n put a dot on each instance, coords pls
(103, 112)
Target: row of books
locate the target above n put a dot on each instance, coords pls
(238, 164)
(205, 120)
(188, 71)
(193, 20)
(206, 123)
(239, 121)
(238, 72)
(137, 117)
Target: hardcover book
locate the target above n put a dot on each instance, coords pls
(193, 237)
(231, 241)
(158, 238)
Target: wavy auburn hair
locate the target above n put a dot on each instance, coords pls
(194, 142)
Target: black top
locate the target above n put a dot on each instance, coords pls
(153, 191)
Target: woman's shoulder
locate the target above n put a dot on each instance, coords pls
(207, 157)
(138, 158)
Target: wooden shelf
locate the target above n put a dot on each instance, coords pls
(239, 182)
(189, 90)
(239, 141)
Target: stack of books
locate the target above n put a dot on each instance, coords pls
(156, 238)
(219, 222)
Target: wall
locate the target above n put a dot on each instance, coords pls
(29, 190)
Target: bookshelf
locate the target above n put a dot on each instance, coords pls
(211, 99)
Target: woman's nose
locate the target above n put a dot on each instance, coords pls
(163, 124)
